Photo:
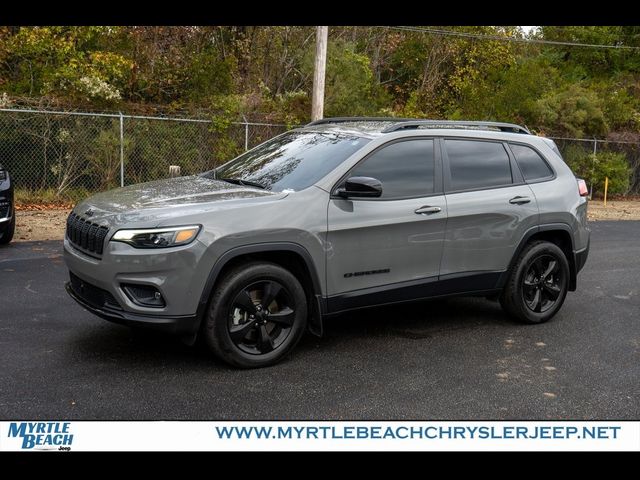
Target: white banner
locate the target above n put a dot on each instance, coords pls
(319, 435)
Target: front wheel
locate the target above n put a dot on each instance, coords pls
(257, 314)
(538, 283)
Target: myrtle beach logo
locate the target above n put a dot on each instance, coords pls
(42, 435)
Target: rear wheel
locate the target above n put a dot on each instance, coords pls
(7, 229)
(538, 283)
(257, 314)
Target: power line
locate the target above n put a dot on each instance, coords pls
(479, 36)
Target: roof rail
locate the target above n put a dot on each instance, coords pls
(324, 121)
(503, 127)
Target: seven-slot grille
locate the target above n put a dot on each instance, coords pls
(5, 208)
(86, 235)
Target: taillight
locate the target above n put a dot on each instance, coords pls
(582, 188)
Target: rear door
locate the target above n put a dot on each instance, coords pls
(489, 208)
(386, 241)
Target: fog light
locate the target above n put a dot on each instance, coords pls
(144, 295)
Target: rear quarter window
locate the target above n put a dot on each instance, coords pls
(532, 165)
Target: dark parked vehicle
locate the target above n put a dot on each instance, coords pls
(7, 210)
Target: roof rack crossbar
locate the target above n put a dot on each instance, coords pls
(324, 121)
(503, 127)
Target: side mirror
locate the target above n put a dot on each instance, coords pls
(363, 187)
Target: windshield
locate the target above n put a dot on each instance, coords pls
(292, 161)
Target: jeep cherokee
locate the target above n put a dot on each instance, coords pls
(341, 214)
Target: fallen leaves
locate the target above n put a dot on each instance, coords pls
(31, 207)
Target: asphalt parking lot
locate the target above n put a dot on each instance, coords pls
(445, 359)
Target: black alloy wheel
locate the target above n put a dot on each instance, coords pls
(261, 317)
(538, 283)
(257, 314)
(542, 283)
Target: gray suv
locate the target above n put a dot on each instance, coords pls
(341, 214)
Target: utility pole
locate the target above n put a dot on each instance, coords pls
(317, 100)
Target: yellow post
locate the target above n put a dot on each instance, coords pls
(606, 187)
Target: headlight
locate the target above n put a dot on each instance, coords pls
(3, 175)
(162, 237)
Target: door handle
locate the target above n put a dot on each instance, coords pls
(428, 210)
(519, 200)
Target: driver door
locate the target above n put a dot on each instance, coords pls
(378, 245)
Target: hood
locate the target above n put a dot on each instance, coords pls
(153, 202)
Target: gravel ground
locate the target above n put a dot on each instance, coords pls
(40, 225)
(615, 210)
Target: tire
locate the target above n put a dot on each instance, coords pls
(7, 231)
(241, 327)
(538, 283)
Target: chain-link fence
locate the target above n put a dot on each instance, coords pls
(594, 159)
(66, 156)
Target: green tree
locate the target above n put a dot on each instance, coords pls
(349, 85)
(66, 61)
(573, 111)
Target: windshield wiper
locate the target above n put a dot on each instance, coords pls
(246, 183)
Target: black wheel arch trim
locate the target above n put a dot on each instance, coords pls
(548, 227)
(315, 320)
(581, 256)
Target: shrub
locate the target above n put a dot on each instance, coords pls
(594, 169)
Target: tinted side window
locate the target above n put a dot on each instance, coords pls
(406, 169)
(531, 164)
(476, 164)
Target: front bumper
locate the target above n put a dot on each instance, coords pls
(6, 202)
(180, 324)
(179, 274)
